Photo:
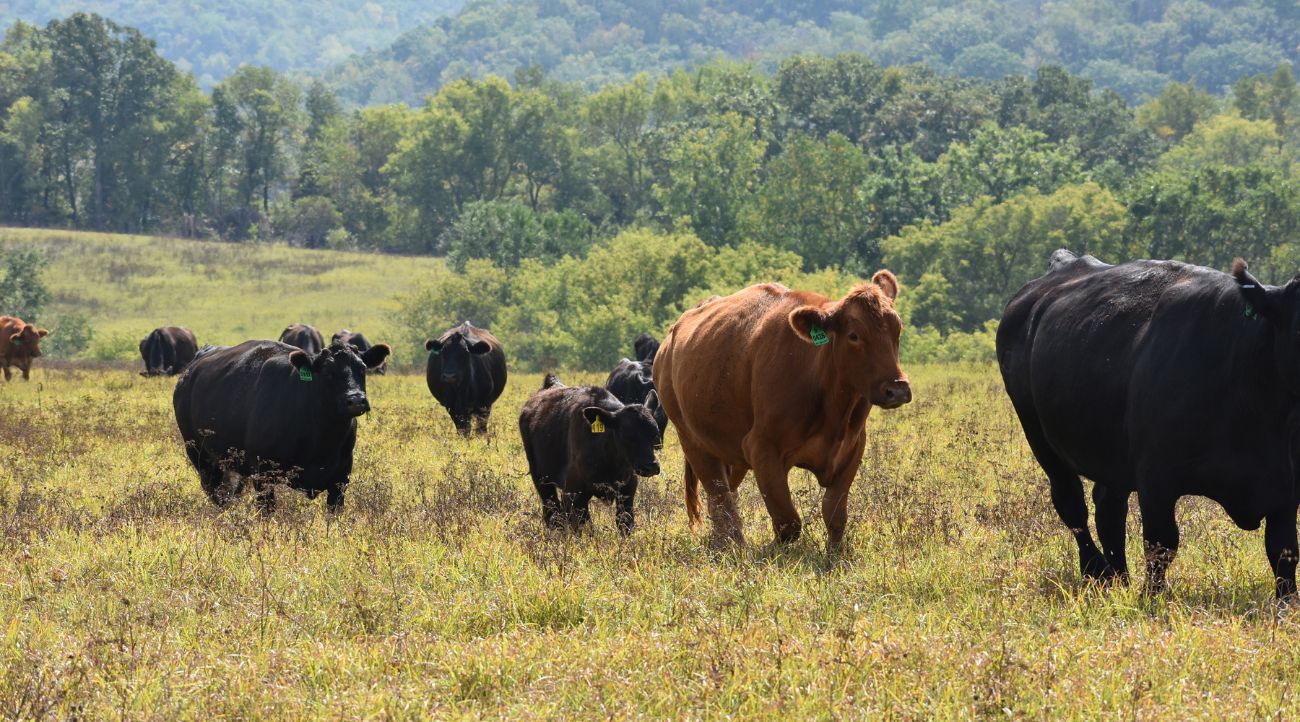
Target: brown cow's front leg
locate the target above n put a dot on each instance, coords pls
(773, 477)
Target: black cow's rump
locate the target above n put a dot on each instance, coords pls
(268, 412)
(167, 350)
(304, 337)
(645, 347)
(466, 373)
(583, 443)
(631, 382)
(1165, 379)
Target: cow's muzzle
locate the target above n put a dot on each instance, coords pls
(357, 405)
(450, 378)
(650, 469)
(893, 394)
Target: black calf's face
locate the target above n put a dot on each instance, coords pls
(454, 350)
(633, 430)
(339, 374)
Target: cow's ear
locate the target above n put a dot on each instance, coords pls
(16, 337)
(652, 400)
(591, 413)
(1257, 297)
(433, 344)
(375, 355)
(887, 283)
(300, 359)
(480, 347)
(42, 332)
(809, 320)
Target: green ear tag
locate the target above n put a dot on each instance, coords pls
(597, 426)
(1251, 313)
(19, 342)
(434, 352)
(818, 336)
(304, 374)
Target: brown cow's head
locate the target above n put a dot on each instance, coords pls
(861, 333)
(27, 342)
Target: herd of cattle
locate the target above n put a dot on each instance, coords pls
(1154, 377)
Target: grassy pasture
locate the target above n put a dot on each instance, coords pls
(224, 292)
(437, 593)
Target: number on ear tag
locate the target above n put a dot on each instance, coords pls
(304, 374)
(818, 336)
(598, 426)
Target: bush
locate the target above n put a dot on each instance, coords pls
(116, 347)
(70, 335)
(22, 293)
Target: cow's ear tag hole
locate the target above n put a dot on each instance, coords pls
(304, 374)
(598, 426)
(818, 336)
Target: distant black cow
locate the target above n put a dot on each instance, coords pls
(167, 350)
(362, 343)
(466, 374)
(645, 347)
(631, 382)
(583, 442)
(268, 412)
(304, 337)
(1165, 379)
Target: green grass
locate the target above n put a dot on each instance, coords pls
(224, 292)
(437, 593)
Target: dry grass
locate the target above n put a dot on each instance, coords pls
(437, 593)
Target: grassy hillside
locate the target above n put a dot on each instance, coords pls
(225, 293)
(437, 593)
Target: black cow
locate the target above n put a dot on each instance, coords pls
(583, 442)
(632, 383)
(304, 337)
(362, 343)
(269, 412)
(645, 347)
(466, 374)
(1165, 379)
(167, 350)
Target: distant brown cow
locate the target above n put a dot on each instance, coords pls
(20, 342)
(769, 379)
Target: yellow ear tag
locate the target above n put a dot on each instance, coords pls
(598, 426)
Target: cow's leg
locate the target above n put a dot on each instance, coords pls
(835, 505)
(334, 497)
(264, 488)
(1112, 518)
(624, 515)
(461, 421)
(26, 366)
(8, 373)
(481, 420)
(1280, 543)
(724, 512)
(1067, 497)
(552, 507)
(774, 483)
(579, 508)
(1160, 536)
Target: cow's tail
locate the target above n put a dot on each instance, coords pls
(552, 381)
(692, 495)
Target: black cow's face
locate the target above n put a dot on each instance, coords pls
(633, 431)
(339, 374)
(454, 350)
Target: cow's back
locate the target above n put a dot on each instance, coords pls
(707, 367)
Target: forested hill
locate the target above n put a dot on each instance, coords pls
(1132, 46)
(211, 39)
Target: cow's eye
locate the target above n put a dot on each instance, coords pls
(853, 336)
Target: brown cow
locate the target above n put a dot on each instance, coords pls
(20, 342)
(769, 379)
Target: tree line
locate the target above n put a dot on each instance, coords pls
(960, 185)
